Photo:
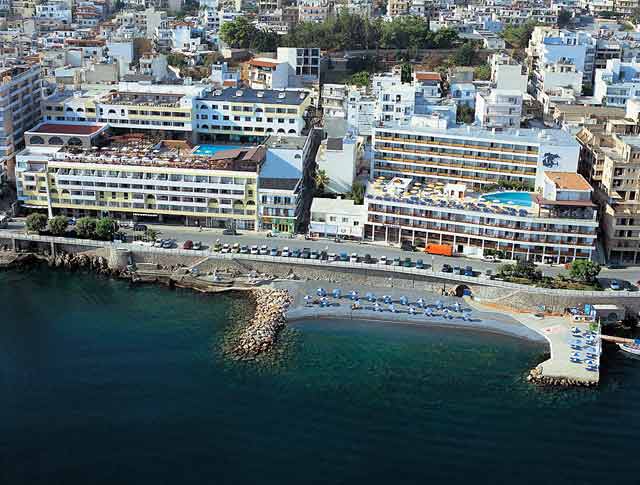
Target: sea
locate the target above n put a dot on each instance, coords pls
(102, 382)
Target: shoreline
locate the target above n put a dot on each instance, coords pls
(515, 330)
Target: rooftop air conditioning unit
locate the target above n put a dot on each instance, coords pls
(260, 94)
(282, 95)
(239, 93)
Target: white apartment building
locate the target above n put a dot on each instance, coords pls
(616, 84)
(54, 10)
(314, 10)
(499, 108)
(338, 158)
(265, 73)
(557, 83)
(506, 73)
(304, 64)
(334, 100)
(548, 45)
(397, 8)
(20, 109)
(361, 109)
(337, 218)
(464, 94)
(395, 100)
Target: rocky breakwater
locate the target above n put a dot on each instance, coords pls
(536, 376)
(269, 318)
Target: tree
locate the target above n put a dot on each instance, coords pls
(564, 17)
(357, 193)
(482, 73)
(406, 74)
(464, 55)
(242, 34)
(36, 222)
(106, 228)
(465, 114)
(151, 234)
(86, 227)
(584, 270)
(361, 78)
(519, 37)
(58, 225)
(322, 180)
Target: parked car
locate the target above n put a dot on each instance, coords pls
(225, 248)
(139, 227)
(217, 246)
(332, 257)
(315, 254)
(264, 250)
(468, 271)
(157, 243)
(167, 244)
(354, 257)
(407, 263)
(306, 253)
(459, 270)
(383, 260)
(406, 246)
(295, 253)
(490, 259)
(254, 249)
(273, 252)
(235, 248)
(615, 285)
(229, 232)
(419, 264)
(188, 244)
(368, 259)
(488, 274)
(446, 268)
(285, 252)
(396, 261)
(244, 249)
(344, 257)
(197, 245)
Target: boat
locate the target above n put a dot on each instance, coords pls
(632, 350)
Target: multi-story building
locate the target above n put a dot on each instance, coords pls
(476, 157)
(340, 218)
(131, 177)
(548, 45)
(54, 10)
(556, 82)
(304, 65)
(499, 108)
(314, 10)
(396, 100)
(396, 8)
(265, 73)
(334, 100)
(338, 158)
(435, 186)
(506, 73)
(360, 111)
(610, 160)
(20, 109)
(616, 84)
(247, 114)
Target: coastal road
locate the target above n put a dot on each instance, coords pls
(209, 236)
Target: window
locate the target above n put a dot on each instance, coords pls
(332, 219)
(345, 219)
(356, 223)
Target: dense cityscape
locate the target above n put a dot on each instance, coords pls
(289, 166)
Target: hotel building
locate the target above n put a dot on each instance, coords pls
(133, 177)
(443, 186)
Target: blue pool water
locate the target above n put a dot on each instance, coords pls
(213, 149)
(517, 198)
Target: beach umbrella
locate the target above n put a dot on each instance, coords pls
(307, 299)
(392, 308)
(420, 302)
(354, 294)
(439, 305)
(404, 300)
(386, 299)
(370, 297)
(457, 306)
(428, 311)
(321, 292)
(412, 310)
(376, 307)
(336, 292)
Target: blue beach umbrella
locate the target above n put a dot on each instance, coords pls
(420, 302)
(336, 292)
(354, 294)
(321, 292)
(412, 310)
(404, 300)
(392, 308)
(307, 298)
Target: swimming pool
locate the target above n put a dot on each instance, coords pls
(522, 199)
(213, 149)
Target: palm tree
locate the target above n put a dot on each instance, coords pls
(322, 179)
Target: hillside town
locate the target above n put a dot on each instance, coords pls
(490, 127)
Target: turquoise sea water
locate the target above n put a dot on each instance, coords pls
(105, 383)
(516, 198)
